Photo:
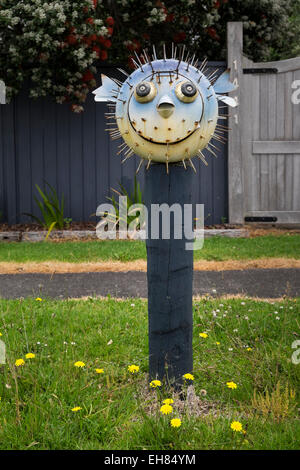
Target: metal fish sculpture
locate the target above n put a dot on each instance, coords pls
(167, 109)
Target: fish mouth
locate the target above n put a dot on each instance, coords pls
(152, 141)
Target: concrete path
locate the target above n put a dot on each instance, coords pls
(262, 283)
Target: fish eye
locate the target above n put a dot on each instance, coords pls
(145, 92)
(186, 92)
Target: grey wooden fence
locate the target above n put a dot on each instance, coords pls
(43, 141)
(264, 144)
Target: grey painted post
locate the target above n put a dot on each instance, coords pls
(170, 278)
(235, 164)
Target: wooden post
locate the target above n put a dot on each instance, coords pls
(235, 164)
(170, 278)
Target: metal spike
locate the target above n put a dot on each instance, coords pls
(192, 165)
(209, 77)
(172, 52)
(201, 157)
(149, 161)
(129, 148)
(224, 116)
(124, 144)
(183, 161)
(175, 52)
(139, 61)
(154, 52)
(123, 72)
(164, 52)
(211, 151)
(148, 60)
(128, 156)
(140, 165)
(135, 64)
(167, 167)
(117, 82)
(182, 53)
(192, 61)
(219, 138)
(203, 64)
(213, 146)
(226, 128)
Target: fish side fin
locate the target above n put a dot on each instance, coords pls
(228, 100)
(223, 83)
(107, 91)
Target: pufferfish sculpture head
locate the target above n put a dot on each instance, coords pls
(167, 110)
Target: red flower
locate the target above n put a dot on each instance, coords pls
(181, 36)
(95, 3)
(93, 37)
(217, 4)
(170, 17)
(87, 40)
(87, 76)
(107, 43)
(110, 31)
(110, 21)
(71, 39)
(213, 33)
(185, 19)
(101, 39)
(103, 55)
(90, 20)
(96, 49)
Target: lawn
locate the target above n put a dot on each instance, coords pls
(118, 409)
(216, 249)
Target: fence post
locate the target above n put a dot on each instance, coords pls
(235, 168)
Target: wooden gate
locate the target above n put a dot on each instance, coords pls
(264, 144)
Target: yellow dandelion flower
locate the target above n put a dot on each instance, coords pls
(19, 362)
(79, 364)
(231, 385)
(76, 408)
(236, 426)
(175, 423)
(99, 371)
(188, 377)
(133, 368)
(203, 335)
(249, 349)
(155, 383)
(0, 334)
(166, 409)
(38, 299)
(30, 356)
(217, 342)
(168, 401)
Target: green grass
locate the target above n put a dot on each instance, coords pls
(37, 398)
(217, 249)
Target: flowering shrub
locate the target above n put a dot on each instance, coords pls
(201, 25)
(54, 45)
